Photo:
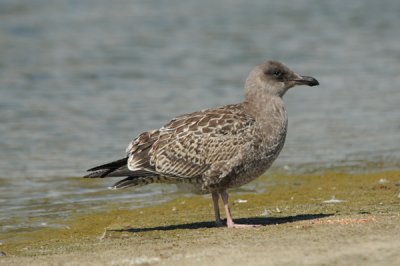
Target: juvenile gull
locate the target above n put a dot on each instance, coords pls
(214, 149)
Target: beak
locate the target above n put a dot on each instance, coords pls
(305, 80)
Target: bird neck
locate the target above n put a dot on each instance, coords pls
(262, 105)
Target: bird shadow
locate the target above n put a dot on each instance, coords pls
(252, 220)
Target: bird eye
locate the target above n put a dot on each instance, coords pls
(277, 73)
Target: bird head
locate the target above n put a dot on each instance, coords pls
(274, 78)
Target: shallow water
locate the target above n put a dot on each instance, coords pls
(80, 79)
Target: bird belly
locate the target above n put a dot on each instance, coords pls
(257, 163)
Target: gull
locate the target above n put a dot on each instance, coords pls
(216, 149)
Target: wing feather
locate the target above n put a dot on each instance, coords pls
(190, 144)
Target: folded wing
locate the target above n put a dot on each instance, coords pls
(191, 144)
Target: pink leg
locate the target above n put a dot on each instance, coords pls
(215, 198)
(229, 221)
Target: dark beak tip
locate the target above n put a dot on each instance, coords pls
(314, 83)
(310, 81)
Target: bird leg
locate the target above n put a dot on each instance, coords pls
(229, 221)
(215, 198)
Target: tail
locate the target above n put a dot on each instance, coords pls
(115, 168)
(120, 168)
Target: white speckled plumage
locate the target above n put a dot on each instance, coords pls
(214, 149)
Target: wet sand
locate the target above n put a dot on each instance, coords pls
(329, 218)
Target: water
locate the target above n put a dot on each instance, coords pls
(80, 79)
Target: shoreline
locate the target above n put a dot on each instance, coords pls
(324, 218)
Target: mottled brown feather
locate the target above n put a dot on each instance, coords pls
(189, 145)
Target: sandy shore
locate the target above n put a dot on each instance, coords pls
(302, 225)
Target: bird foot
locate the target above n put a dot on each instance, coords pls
(233, 225)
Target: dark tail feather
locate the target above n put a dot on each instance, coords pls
(132, 181)
(114, 165)
(106, 169)
(119, 168)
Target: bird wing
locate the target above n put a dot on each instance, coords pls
(191, 144)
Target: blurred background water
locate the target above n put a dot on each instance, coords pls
(80, 79)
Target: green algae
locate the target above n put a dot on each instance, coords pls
(288, 199)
